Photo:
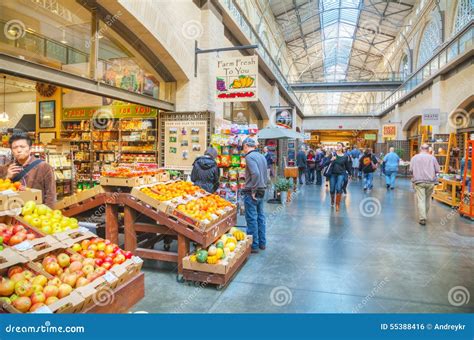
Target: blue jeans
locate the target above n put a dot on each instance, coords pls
(368, 179)
(390, 178)
(319, 177)
(310, 178)
(335, 183)
(255, 220)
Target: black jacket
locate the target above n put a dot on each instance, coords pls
(341, 164)
(205, 174)
(301, 160)
(365, 163)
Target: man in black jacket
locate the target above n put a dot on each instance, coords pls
(301, 163)
(205, 172)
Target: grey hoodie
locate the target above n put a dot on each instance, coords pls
(255, 171)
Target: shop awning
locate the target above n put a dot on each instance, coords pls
(279, 133)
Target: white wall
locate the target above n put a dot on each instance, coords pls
(346, 123)
(17, 105)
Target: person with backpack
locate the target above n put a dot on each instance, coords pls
(368, 165)
(205, 173)
(337, 169)
(30, 171)
(355, 155)
(319, 166)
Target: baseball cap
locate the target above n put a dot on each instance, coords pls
(249, 142)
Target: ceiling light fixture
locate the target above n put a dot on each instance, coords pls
(4, 116)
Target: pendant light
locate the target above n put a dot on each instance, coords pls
(4, 116)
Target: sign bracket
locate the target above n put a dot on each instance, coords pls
(197, 51)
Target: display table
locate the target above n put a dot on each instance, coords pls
(447, 192)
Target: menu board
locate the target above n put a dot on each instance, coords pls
(184, 141)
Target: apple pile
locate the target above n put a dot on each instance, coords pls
(27, 291)
(14, 234)
(47, 220)
(104, 253)
(73, 270)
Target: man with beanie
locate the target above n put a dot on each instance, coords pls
(254, 191)
(205, 173)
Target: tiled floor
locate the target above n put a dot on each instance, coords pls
(371, 257)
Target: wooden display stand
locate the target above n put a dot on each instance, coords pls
(447, 192)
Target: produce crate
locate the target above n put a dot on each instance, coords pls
(73, 303)
(98, 290)
(69, 237)
(222, 268)
(158, 178)
(123, 182)
(158, 205)
(81, 196)
(10, 257)
(15, 200)
(128, 269)
(183, 218)
(34, 249)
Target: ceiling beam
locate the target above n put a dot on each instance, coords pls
(347, 86)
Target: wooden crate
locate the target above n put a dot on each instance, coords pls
(124, 182)
(141, 196)
(291, 172)
(79, 197)
(128, 269)
(188, 220)
(10, 257)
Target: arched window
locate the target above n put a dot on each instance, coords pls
(430, 39)
(464, 14)
(404, 67)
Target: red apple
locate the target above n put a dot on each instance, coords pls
(30, 236)
(54, 282)
(109, 249)
(49, 259)
(82, 281)
(109, 259)
(106, 265)
(7, 286)
(51, 300)
(76, 247)
(17, 277)
(107, 242)
(52, 268)
(15, 239)
(99, 270)
(100, 254)
(22, 303)
(85, 244)
(87, 269)
(101, 246)
(128, 255)
(28, 275)
(14, 270)
(119, 259)
(88, 261)
(83, 253)
(64, 290)
(70, 279)
(92, 247)
(36, 306)
(98, 262)
(76, 257)
(40, 280)
(38, 297)
(51, 290)
(75, 266)
(18, 228)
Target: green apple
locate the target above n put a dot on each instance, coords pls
(56, 230)
(28, 208)
(47, 229)
(45, 223)
(57, 214)
(28, 218)
(36, 222)
(72, 220)
(42, 209)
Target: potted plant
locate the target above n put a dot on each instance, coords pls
(282, 187)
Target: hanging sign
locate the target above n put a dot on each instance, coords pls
(431, 117)
(115, 111)
(284, 118)
(370, 136)
(389, 131)
(236, 79)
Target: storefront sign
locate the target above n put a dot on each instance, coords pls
(115, 111)
(389, 131)
(236, 79)
(284, 118)
(431, 117)
(370, 136)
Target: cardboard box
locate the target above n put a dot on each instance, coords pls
(124, 182)
(225, 265)
(128, 269)
(39, 247)
(10, 257)
(82, 196)
(15, 200)
(69, 237)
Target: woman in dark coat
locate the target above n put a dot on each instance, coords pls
(340, 166)
(205, 173)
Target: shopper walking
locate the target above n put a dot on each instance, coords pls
(205, 173)
(319, 166)
(311, 163)
(425, 168)
(324, 164)
(340, 165)
(301, 163)
(254, 191)
(269, 158)
(390, 165)
(355, 156)
(368, 165)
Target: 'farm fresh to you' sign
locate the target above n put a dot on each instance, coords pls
(236, 79)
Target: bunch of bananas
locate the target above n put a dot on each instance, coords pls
(212, 259)
(243, 81)
(239, 235)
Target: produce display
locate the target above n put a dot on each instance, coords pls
(102, 252)
(129, 172)
(169, 191)
(7, 184)
(221, 249)
(205, 209)
(11, 235)
(28, 291)
(47, 220)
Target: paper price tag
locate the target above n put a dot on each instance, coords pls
(43, 310)
(25, 245)
(109, 277)
(83, 229)
(137, 260)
